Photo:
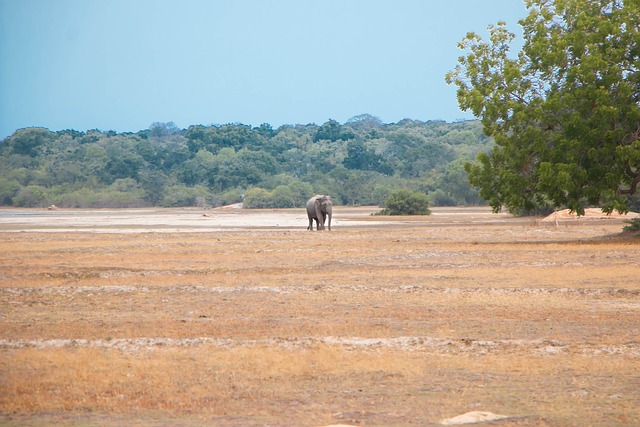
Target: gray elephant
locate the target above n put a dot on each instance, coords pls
(319, 207)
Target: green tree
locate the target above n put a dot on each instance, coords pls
(454, 182)
(329, 131)
(8, 189)
(244, 168)
(257, 198)
(31, 196)
(359, 156)
(332, 131)
(29, 141)
(412, 154)
(564, 111)
(198, 169)
(215, 138)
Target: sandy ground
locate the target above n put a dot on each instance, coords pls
(243, 318)
(185, 220)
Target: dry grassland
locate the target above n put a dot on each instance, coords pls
(399, 324)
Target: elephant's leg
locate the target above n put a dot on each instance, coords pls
(310, 226)
(329, 215)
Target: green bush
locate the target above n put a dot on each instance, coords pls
(257, 198)
(405, 202)
(294, 195)
(81, 198)
(229, 197)
(31, 196)
(440, 198)
(283, 197)
(8, 189)
(634, 225)
(182, 195)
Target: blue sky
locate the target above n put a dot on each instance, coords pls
(124, 64)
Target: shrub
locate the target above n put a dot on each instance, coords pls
(182, 195)
(257, 198)
(229, 197)
(283, 197)
(404, 202)
(440, 198)
(31, 196)
(8, 189)
(634, 225)
(293, 195)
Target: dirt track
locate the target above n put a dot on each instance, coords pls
(244, 318)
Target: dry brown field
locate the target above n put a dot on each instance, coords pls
(244, 318)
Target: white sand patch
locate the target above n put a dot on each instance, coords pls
(472, 418)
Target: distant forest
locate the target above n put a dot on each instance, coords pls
(360, 162)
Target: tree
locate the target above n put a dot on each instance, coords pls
(28, 141)
(365, 123)
(359, 156)
(160, 130)
(244, 168)
(8, 189)
(564, 112)
(332, 131)
(454, 182)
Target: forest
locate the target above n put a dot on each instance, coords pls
(359, 162)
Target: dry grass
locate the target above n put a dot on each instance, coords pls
(319, 385)
(405, 324)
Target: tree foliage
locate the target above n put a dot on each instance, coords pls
(359, 162)
(564, 111)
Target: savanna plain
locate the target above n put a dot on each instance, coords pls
(244, 318)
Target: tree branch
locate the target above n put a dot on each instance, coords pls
(634, 184)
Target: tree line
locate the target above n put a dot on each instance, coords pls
(359, 162)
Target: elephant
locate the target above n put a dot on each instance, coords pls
(319, 207)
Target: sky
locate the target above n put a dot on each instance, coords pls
(122, 65)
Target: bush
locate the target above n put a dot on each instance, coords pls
(294, 195)
(81, 198)
(182, 195)
(633, 202)
(440, 198)
(634, 225)
(229, 197)
(283, 197)
(404, 202)
(8, 189)
(31, 196)
(258, 198)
